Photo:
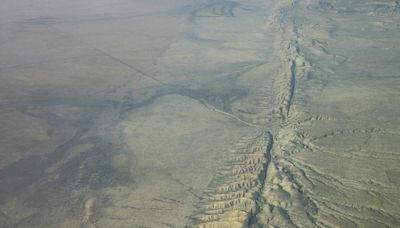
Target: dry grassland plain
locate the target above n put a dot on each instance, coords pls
(199, 113)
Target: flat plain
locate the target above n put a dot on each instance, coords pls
(211, 114)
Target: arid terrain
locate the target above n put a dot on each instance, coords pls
(199, 113)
